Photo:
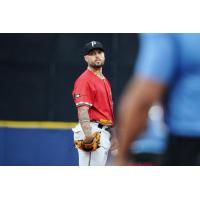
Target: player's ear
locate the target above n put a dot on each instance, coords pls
(86, 58)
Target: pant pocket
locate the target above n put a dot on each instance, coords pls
(78, 133)
(105, 140)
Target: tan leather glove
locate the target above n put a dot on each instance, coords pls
(91, 145)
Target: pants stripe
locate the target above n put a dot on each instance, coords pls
(90, 158)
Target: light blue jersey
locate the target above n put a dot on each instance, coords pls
(174, 60)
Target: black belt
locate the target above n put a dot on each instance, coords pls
(108, 128)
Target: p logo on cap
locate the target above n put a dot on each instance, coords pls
(93, 45)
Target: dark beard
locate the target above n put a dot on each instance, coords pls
(98, 66)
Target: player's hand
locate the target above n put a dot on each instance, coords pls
(88, 139)
(114, 144)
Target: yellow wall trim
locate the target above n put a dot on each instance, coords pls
(37, 124)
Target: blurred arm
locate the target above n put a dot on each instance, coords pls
(139, 96)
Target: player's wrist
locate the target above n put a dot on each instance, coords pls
(83, 120)
(87, 134)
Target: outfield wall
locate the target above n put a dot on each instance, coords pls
(37, 144)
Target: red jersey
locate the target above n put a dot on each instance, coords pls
(94, 92)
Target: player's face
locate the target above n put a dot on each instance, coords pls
(95, 58)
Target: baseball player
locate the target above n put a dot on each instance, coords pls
(93, 99)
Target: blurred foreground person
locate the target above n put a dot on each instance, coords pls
(167, 70)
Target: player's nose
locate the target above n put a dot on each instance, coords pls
(97, 55)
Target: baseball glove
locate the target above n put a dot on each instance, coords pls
(91, 146)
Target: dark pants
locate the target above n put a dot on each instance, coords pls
(182, 151)
(145, 159)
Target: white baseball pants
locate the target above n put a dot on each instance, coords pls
(98, 157)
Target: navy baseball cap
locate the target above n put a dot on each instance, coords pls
(92, 45)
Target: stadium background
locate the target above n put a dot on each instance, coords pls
(37, 73)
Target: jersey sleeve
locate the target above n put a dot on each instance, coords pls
(83, 94)
(157, 58)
